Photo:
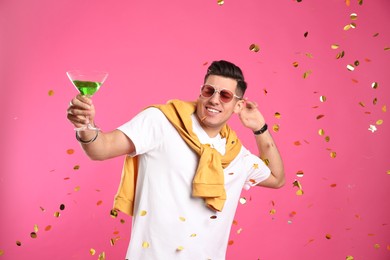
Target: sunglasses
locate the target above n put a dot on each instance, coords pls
(225, 95)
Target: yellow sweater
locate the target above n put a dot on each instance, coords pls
(208, 181)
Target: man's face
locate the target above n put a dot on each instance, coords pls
(211, 111)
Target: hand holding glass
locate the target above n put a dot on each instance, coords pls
(87, 83)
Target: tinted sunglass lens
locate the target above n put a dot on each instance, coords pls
(226, 96)
(207, 91)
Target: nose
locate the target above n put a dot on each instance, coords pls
(215, 98)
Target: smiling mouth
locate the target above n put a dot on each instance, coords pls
(212, 110)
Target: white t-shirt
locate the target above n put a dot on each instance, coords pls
(169, 223)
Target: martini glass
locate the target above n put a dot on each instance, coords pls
(87, 82)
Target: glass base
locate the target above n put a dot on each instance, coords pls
(86, 127)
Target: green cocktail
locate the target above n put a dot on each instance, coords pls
(87, 82)
(87, 87)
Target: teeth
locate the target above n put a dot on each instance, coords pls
(212, 110)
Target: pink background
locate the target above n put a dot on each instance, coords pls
(159, 50)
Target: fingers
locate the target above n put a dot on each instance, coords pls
(80, 110)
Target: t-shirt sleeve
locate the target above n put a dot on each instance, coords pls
(145, 129)
(258, 170)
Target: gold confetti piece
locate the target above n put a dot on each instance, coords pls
(62, 206)
(387, 48)
(143, 213)
(328, 236)
(349, 257)
(50, 92)
(47, 228)
(372, 128)
(375, 35)
(35, 228)
(254, 47)
(193, 235)
(327, 138)
(309, 55)
(299, 192)
(266, 161)
(70, 151)
(306, 34)
(220, 2)
(235, 222)
(76, 167)
(292, 214)
(145, 244)
(179, 248)
(360, 2)
(265, 91)
(306, 74)
(42, 209)
(321, 132)
(348, 2)
(353, 16)
(374, 85)
(347, 27)
(183, 219)
(340, 55)
(277, 115)
(297, 184)
(92, 251)
(295, 64)
(356, 63)
(353, 25)
(102, 256)
(57, 214)
(123, 221)
(322, 98)
(355, 81)
(1, 252)
(350, 67)
(334, 46)
(18, 243)
(362, 104)
(379, 122)
(297, 143)
(231, 242)
(333, 185)
(320, 116)
(333, 154)
(377, 246)
(384, 108)
(375, 101)
(276, 128)
(243, 200)
(33, 235)
(213, 217)
(300, 174)
(272, 211)
(77, 188)
(114, 213)
(99, 203)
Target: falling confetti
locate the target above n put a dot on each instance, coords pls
(33, 235)
(179, 248)
(276, 128)
(102, 256)
(328, 236)
(306, 34)
(92, 251)
(143, 213)
(220, 2)
(18, 243)
(272, 211)
(340, 55)
(213, 217)
(50, 92)
(47, 228)
(372, 128)
(374, 85)
(57, 214)
(322, 98)
(321, 132)
(183, 219)
(295, 64)
(193, 235)
(349, 257)
(350, 67)
(145, 244)
(277, 115)
(70, 151)
(231, 242)
(320, 116)
(306, 74)
(388, 172)
(334, 46)
(353, 16)
(76, 167)
(297, 143)
(243, 200)
(384, 108)
(1, 252)
(300, 174)
(62, 206)
(114, 213)
(333, 154)
(99, 203)
(379, 122)
(254, 47)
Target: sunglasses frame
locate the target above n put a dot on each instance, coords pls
(219, 92)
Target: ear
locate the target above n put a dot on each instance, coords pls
(239, 106)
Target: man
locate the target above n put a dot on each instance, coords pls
(185, 167)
